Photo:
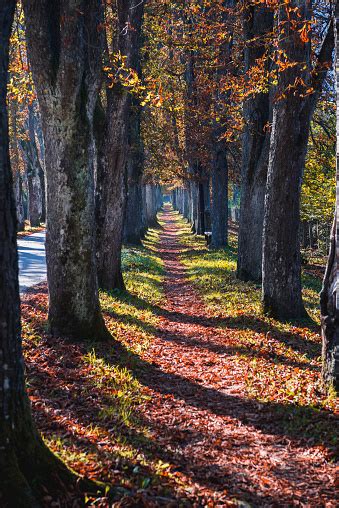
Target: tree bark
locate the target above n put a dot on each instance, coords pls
(219, 196)
(185, 211)
(66, 65)
(18, 191)
(258, 23)
(133, 226)
(41, 155)
(328, 296)
(111, 190)
(193, 197)
(330, 314)
(200, 222)
(33, 172)
(292, 113)
(113, 153)
(152, 207)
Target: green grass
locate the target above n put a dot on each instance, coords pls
(134, 310)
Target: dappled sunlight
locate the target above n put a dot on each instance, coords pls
(198, 394)
(281, 361)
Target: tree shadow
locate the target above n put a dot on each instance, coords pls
(83, 402)
(68, 407)
(295, 340)
(243, 409)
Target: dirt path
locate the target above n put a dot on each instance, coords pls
(226, 445)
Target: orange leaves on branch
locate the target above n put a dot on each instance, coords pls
(304, 32)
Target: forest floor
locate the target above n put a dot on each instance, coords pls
(30, 230)
(200, 400)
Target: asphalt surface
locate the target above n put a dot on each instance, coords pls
(32, 260)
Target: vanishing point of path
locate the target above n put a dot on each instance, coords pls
(229, 446)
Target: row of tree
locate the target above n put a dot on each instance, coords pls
(90, 145)
(85, 139)
(286, 61)
(120, 104)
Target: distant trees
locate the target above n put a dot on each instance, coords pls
(286, 60)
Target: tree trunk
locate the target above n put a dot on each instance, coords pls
(219, 197)
(174, 199)
(193, 205)
(200, 224)
(26, 464)
(133, 227)
(207, 204)
(67, 74)
(34, 197)
(41, 155)
(329, 312)
(43, 194)
(152, 206)
(258, 22)
(292, 113)
(328, 297)
(33, 171)
(218, 146)
(111, 190)
(113, 153)
(18, 191)
(186, 203)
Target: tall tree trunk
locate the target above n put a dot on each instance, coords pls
(26, 464)
(33, 171)
(133, 227)
(219, 196)
(200, 224)
(194, 165)
(328, 297)
(113, 153)
(34, 197)
(258, 23)
(18, 191)
(292, 113)
(111, 190)
(193, 205)
(41, 155)
(152, 205)
(218, 149)
(65, 56)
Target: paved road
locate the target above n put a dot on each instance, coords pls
(32, 260)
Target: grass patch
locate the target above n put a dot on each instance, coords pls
(134, 310)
